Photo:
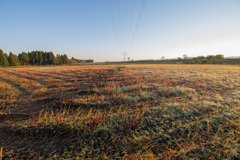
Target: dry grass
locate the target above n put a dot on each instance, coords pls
(127, 112)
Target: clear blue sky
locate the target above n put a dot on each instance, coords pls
(85, 29)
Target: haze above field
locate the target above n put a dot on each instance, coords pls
(102, 30)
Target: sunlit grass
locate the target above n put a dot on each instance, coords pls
(130, 111)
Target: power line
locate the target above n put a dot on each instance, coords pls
(119, 22)
(131, 21)
(113, 22)
(144, 2)
(124, 56)
(130, 37)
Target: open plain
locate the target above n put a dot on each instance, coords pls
(120, 111)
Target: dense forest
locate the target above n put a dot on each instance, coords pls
(36, 58)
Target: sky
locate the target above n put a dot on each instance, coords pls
(103, 30)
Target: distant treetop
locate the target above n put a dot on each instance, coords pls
(36, 58)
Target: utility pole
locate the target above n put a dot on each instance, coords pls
(124, 54)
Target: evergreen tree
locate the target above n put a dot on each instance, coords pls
(30, 55)
(65, 59)
(33, 54)
(62, 59)
(13, 59)
(36, 57)
(51, 58)
(40, 57)
(3, 59)
(20, 58)
(25, 58)
(58, 59)
(45, 58)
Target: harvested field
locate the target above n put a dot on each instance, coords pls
(120, 111)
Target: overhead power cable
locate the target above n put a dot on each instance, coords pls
(144, 2)
(131, 21)
(113, 21)
(118, 24)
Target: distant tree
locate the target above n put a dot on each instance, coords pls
(45, 58)
(72, 61)
(64, 59)
(199, 59)
(215, 61)
(210, 57)
(204, 61)
(20, 58)
(179, 58)
(36, 57)
(81, 61)
(13, 59)
(89, 60)
(58, 60)
(51, 58)
(219, 58)
(31, 57)
(40, 57)
(129, 58)
(3, 59)
(187, 61)
(23, 58)
(162, 58)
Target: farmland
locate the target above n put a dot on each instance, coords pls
(128, 111)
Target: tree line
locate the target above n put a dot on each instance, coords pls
(32, 58)
(209, 59)
(82, 60)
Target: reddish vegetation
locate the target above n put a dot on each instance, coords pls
(40, 105)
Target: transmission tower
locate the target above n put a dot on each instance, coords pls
(124, 56)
